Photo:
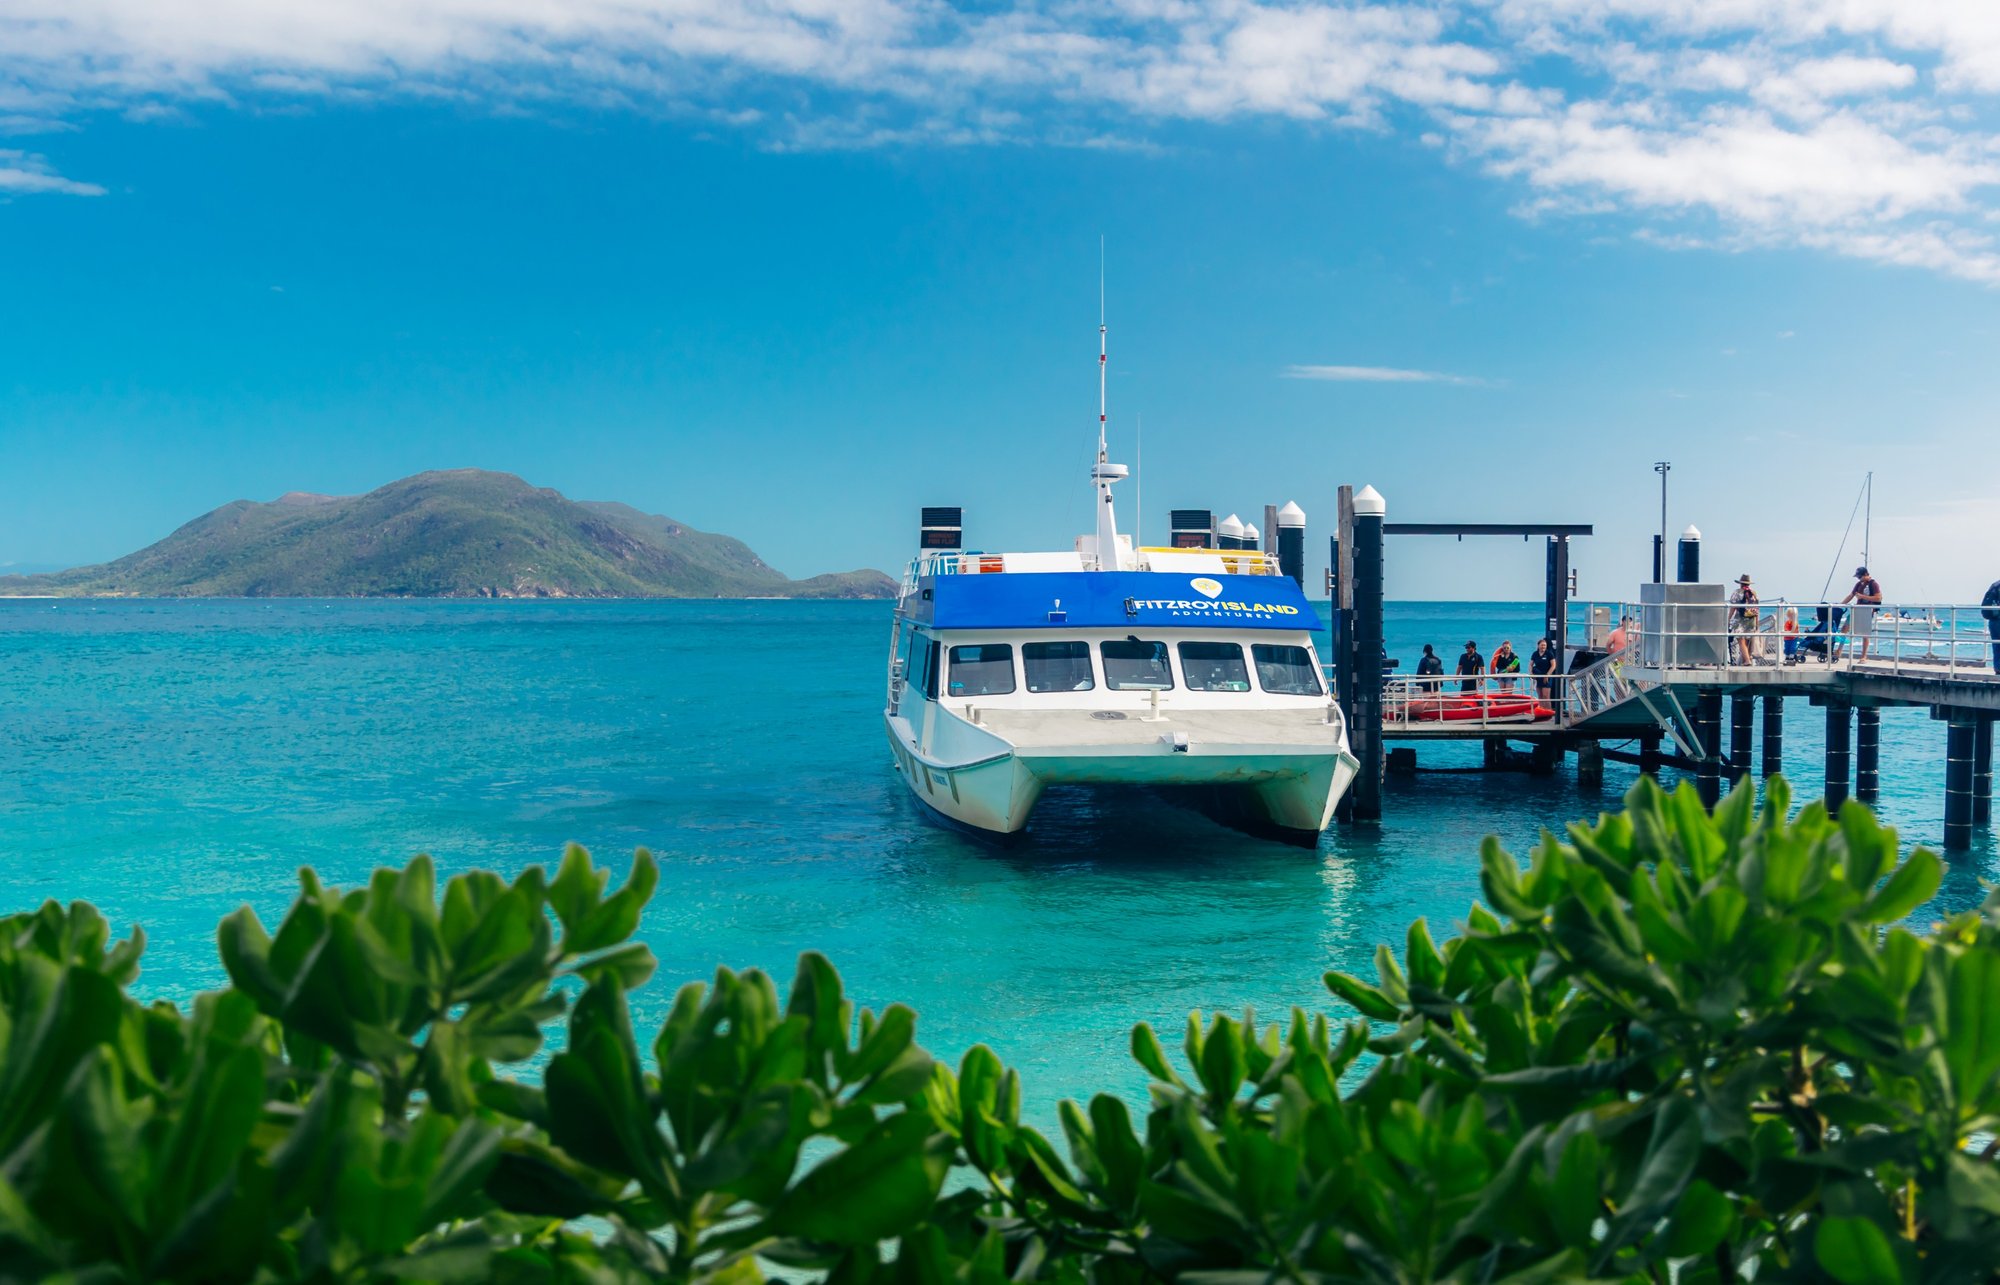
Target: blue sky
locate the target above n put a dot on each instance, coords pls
(791, 269)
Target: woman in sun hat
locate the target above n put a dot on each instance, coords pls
(1743, 619)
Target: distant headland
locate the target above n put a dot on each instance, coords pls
(459, 533)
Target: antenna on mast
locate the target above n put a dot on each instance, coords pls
(1103, 473)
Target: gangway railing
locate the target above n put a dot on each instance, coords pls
(1495, 702)
(1930, 640)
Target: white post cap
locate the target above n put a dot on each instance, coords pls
(1291, 515)
(1251, 533)
(1368, 503)
(1691, 533)
(1231, 526)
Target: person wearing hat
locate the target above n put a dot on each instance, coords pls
(1743, 618)
(1471, 663)
(1866, 596)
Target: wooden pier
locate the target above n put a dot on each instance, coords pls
(1669, 684)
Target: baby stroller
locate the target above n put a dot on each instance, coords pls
(1819, 642)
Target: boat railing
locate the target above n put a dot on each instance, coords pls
(1236, 562)
(1919, 640)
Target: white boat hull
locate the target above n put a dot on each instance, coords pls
(1276, 771)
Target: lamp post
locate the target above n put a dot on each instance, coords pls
(1662, 467)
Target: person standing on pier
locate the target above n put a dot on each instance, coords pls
(1429, 666)
(1542, 664)
(1470, 665)
(1506, 663)
(1989, 607)
(1743, 618)
(1866, 596)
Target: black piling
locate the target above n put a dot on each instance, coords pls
(1961, 737)
(1742, 730)
(1555, 595)
(1839, 752)
(1982, 772)
(1867, 754)
(1649, 753)
(1774, 735)
(1365, 716)
(1690, 557)
(1708, 730)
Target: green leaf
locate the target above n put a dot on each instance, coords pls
(1366, 1000)
(1855, 1251)
(1702, 1220)
(878, 1188)
(1915, 882)
(1146, 1051)
(1577, 1195)
(1671, 1153)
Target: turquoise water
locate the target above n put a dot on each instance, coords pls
(170, 761)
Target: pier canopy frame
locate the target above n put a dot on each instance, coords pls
(1555, 589)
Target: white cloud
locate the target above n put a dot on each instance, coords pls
(1856, 127)
(1376, 375)
(29, 173)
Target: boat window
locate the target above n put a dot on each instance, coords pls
(1136, 666)
(1287, 671)
(924, 666)
(1214, 667)
(1058, 666)
(983, 669)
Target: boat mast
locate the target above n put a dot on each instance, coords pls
(1104, 473)
(1867, 516)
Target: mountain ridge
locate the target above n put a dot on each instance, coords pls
(453, 533)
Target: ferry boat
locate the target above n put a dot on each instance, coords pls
(1115, 667)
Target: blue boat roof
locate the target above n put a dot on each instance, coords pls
(1113, 600)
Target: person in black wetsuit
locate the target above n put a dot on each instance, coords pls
(1470, 662)
(1990, 608)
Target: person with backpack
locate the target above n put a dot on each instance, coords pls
(1429, 665)
(1743, 619)
(1866, 597)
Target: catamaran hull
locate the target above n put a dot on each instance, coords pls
(1281, 791)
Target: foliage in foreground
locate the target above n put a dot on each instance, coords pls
(1678, 1047)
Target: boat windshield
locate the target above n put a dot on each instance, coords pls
(1214, 667)
(982, 669)
(1286, 671)
(1133, 665)
(1058, 666)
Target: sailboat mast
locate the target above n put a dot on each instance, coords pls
(1868, 518)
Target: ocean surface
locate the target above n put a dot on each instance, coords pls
(172, 760)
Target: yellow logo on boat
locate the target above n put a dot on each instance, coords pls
(1206, 588)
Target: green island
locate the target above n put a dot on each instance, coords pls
(1674, 1046)
(453, 533)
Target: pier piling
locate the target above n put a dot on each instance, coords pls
(1961, 735)
(1708, 729)
(1649, 753)
(1867, 754)
(1774, 736)
(1366, 714)
(1742, 729)
(1839, 752)
(1982, 772)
